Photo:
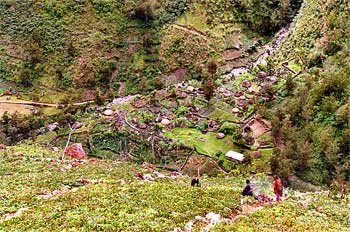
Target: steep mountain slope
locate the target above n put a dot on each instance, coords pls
(312, 121)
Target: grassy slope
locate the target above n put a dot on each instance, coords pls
(310, 212)
(113, 199)
(117, 201)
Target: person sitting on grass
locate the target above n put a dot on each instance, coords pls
(248, 190)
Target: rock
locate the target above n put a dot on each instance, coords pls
(195, 109)
(55, 149)
(148, 177)
(139, 175)
(239, 93)
(108, 112)
(227, 93)
(180, 73)
(175, 175)
(53, 126)
(134, 120)
(249, 140)
(165, 122)
(187, 103)
(250, 101)
(262, 74)
(138, 103)
(213, 126)
(213, 220)
(155, 109)
(200, 90)
(246, 84)
(272, 79)
(75, 151)
(121, 100)
(171, 126)
(190, 89)
(235, 110)
(158, 119)
(77, 125)
(241, 103)
(256, 154)
(182, 95)
(236, 72)
(231, 54)
(2, 147)
(226, 79)
(143, 126)
(220, 135)
(159, 175)
(195, 118)
(146, 165)
(188, 115)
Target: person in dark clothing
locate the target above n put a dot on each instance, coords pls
(195, 182)
(248, 190)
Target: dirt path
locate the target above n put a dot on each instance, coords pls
(190, 30)
(41, 104)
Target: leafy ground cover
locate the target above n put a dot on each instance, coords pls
(301, 212)
(100, 195)
(38, 192)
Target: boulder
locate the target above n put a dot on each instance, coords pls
(262, 74)
(182, 95)
(250, 101)
(220, 135)
(55, 149)
(195, 109)
(256, 154)
(75, 151)
(146, 165)
(143, 126)
(239, 93)
(108, 112)
(77, 125)
(187, 103)
(134, 120)
(235, 110)
(227, 93)
(246, 84)
(53, 126)
(165, 122)
(190, 89)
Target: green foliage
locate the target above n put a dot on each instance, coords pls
(311, 122)
(206, 144)
(102, 195)
(302, 212)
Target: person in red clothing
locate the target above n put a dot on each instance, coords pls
(277, 187)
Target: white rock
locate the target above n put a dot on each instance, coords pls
(165, 122)
(108, 112)
(235, 110)
(190, 88)
(148, 177)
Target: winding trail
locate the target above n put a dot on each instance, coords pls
(41, 104)
(191, 31)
